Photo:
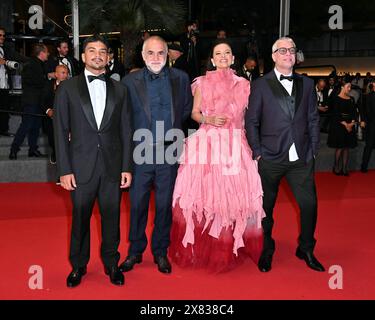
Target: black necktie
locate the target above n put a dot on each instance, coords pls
(282, 77)
(99, 77)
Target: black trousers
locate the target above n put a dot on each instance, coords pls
(48, 129)
(300, 177)
(370, 144)
(108, 194)
(29, 126)
(162, 177)
(4, 116)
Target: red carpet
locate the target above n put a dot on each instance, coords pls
(34, 230)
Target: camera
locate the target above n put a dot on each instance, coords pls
(12, 64)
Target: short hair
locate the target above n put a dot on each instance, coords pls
(62, 66)
(60, 42)
(38, 48)
(94, 38)
(274, 46)
(155, 38)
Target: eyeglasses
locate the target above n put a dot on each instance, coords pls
(283, 51)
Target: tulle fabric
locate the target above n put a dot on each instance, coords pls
(217, 200)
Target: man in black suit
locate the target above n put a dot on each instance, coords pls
(176, 57)
(282, 125)
(115, 69)
(49, 91)
(93, 141)
(161, 100)
(62, 57)
(369, 119)
(33, 81)
(248, 69)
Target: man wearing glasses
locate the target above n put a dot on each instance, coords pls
(282, 125)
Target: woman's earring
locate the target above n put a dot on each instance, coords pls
(213, 64)
(232, 61)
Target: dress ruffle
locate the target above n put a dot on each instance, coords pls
(217, 200)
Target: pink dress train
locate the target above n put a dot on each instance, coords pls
(217, 200)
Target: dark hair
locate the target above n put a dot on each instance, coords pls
(58, 43)
(210, 67)
(2, 28)
(95, 38)
(190, 23)
(37, 49)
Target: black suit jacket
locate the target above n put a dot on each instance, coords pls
(118, 68)
(74, 117)
(53, 62)
(138, 98)
(34, 78)
(369, 114)
(269, 127)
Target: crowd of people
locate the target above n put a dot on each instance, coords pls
(345, 104)
(215, 205)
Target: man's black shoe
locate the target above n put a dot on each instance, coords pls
(13, 155)
(129, 262)
(115, 275)
(36, 153)
(74, 278)
(163, 263)
(310, 260)
(265, 262)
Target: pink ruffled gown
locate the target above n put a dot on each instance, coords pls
(217, 200)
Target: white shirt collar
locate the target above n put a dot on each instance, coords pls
(278, 74)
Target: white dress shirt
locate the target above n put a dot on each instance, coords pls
(288, 85)
(98, 90)
(3, 73)
(65, 61)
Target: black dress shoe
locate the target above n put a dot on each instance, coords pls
(13, 155)
(364, 170)
(337, 173)
(164, 266)
(265, 262)
(115, 275)
(74, 278)
(36, 153)
(129, 262)
(310, 260)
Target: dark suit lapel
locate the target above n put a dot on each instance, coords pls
(86, 101)
(109, 103)
(277, 90)
(175, 84)
(299, 90)
(140, 87)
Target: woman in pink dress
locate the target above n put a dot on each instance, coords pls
(217, 200)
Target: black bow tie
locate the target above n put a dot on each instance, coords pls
(282, 77)
(99, 77)
(154, 76)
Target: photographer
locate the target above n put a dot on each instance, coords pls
(7, 63)
(189, 42)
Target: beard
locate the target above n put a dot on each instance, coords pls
(155, 68)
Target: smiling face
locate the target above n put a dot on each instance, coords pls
(95, 57)
(284, 62)
(222, 56)
(154, 54)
